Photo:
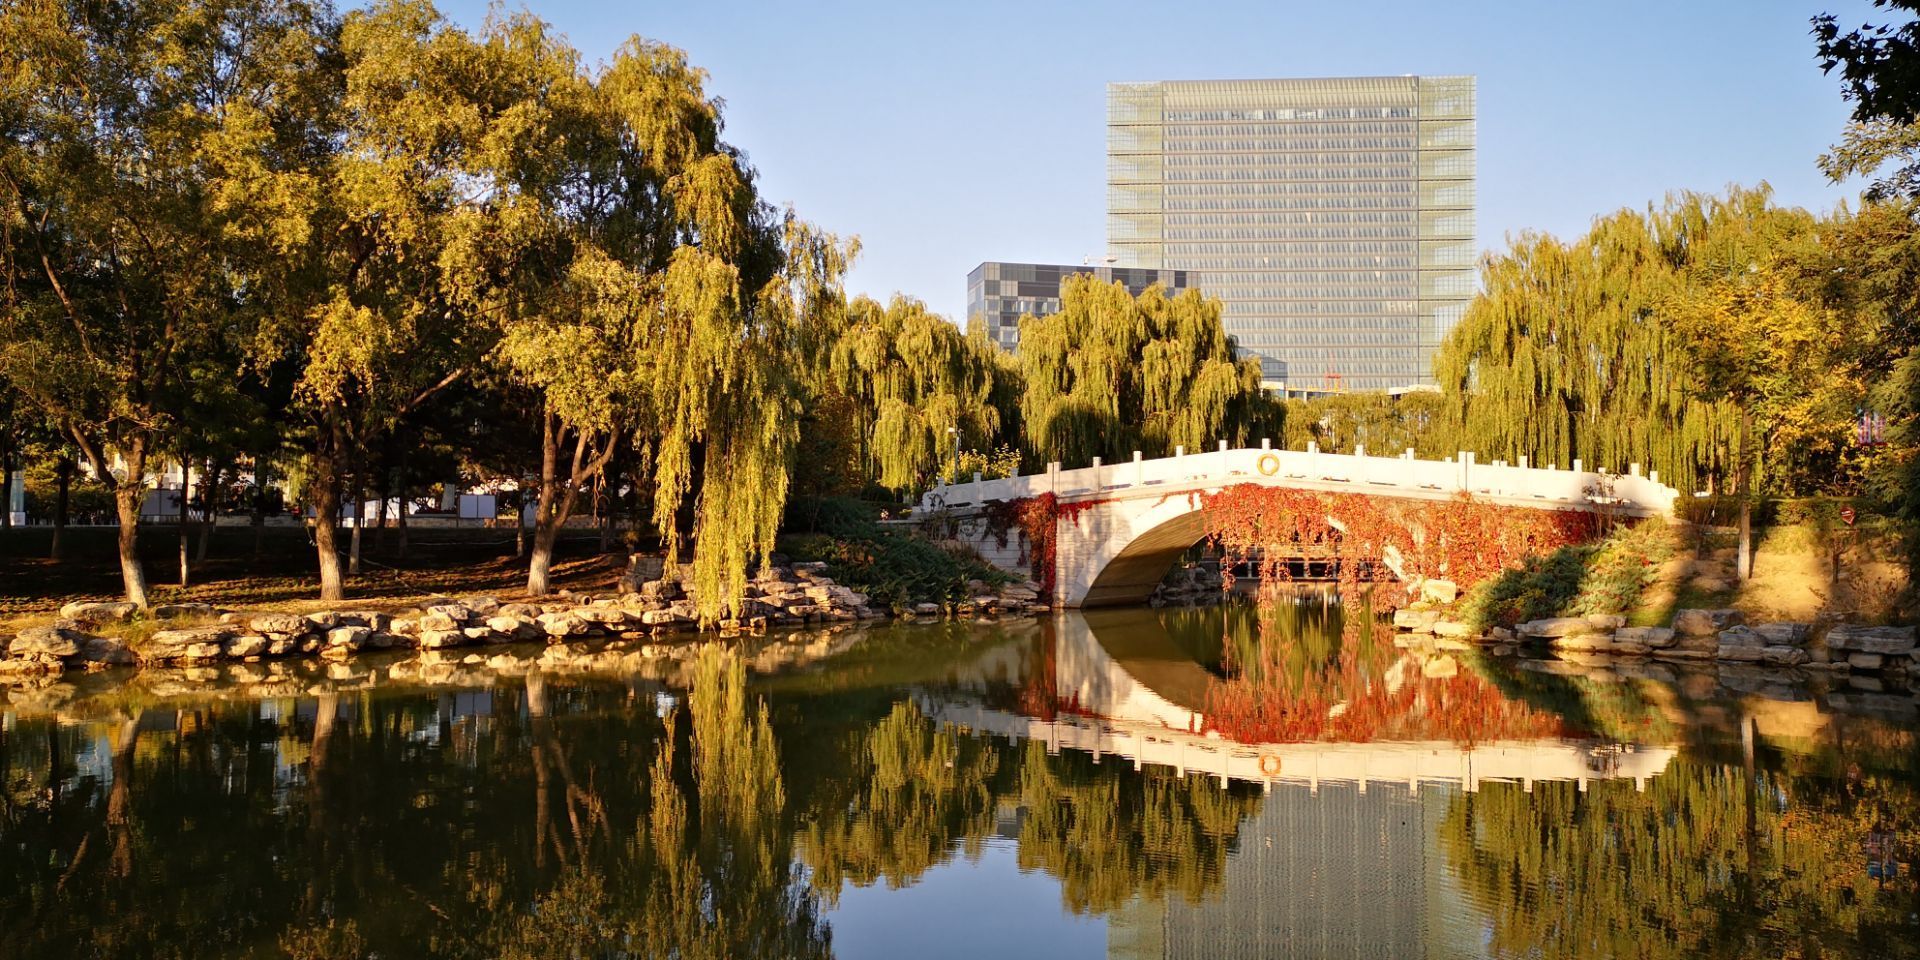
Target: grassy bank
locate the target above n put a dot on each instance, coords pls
(1801, 572)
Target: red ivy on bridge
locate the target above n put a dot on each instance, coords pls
(1461, 539)
(1038, 519)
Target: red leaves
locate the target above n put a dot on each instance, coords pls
(1036, 518)
(1459, 539)
(1291, 695)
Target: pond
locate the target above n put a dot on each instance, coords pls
(1221, 782)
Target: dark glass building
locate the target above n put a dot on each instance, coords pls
(999, 294)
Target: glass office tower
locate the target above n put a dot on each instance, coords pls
(999, 294)
(1334, 217)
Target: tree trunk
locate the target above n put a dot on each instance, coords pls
(546, 509)
(186, 488)
(558, 494)
(520, 526)
(544, 537)
(210, 518)
(1744, 562)
(259, 504)
(63, 488)
(603, 502)
(602, 511)
(380, 515)
(400, 516)
(6, 483)
(359, 521)
(128, 496)
(326, 509)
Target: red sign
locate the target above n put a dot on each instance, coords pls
(1847, 515)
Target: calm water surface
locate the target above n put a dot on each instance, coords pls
(1246, 783)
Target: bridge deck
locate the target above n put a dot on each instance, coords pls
(1404, 477)
(1410, 763)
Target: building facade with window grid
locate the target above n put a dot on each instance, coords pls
(1333, 217)
(999, 294)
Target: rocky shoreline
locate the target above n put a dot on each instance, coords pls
(1696, 635)
(781, 596)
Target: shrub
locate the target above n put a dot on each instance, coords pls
(894, 567)
(1604, 577)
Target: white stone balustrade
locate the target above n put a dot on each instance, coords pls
(1400, 476)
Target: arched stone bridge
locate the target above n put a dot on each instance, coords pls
(1136, 518)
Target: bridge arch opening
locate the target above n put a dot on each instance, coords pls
(1144, 553)
(1130, 575)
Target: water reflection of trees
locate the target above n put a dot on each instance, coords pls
(709, 870)
(908, 793)
(1110, 833)
(397, 825)
(1709, 861)
(918, 793)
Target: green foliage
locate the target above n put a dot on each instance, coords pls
(927, 789)
(1720, 862)
(85, 498)
(921, 388)
(1880, 73)
(1001, 461)
(1644, 340)
(124, 254)
(1604, 577)
(1111, 373)
(1386, 425)
(896, 569)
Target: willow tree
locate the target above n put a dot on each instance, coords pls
(1382, 423)
(119, 296)
(1112, 373)
(920, 387)
(655, 301)
(1571, 350)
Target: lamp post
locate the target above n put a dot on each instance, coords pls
(955, 432)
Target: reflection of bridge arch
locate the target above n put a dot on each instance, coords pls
(1140, 698)
(1124, 665)
(1123, 524)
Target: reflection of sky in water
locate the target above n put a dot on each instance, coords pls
(983, 908)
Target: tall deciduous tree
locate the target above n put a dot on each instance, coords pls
(1879, 67)
(1779, 358)
(115, 119)
(375, 265)
(657, 302)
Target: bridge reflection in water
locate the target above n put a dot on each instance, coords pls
(1343, 857)
(1135, 694)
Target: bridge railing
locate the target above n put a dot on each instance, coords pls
(1403, 475)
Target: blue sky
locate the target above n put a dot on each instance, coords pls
(944, 134)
